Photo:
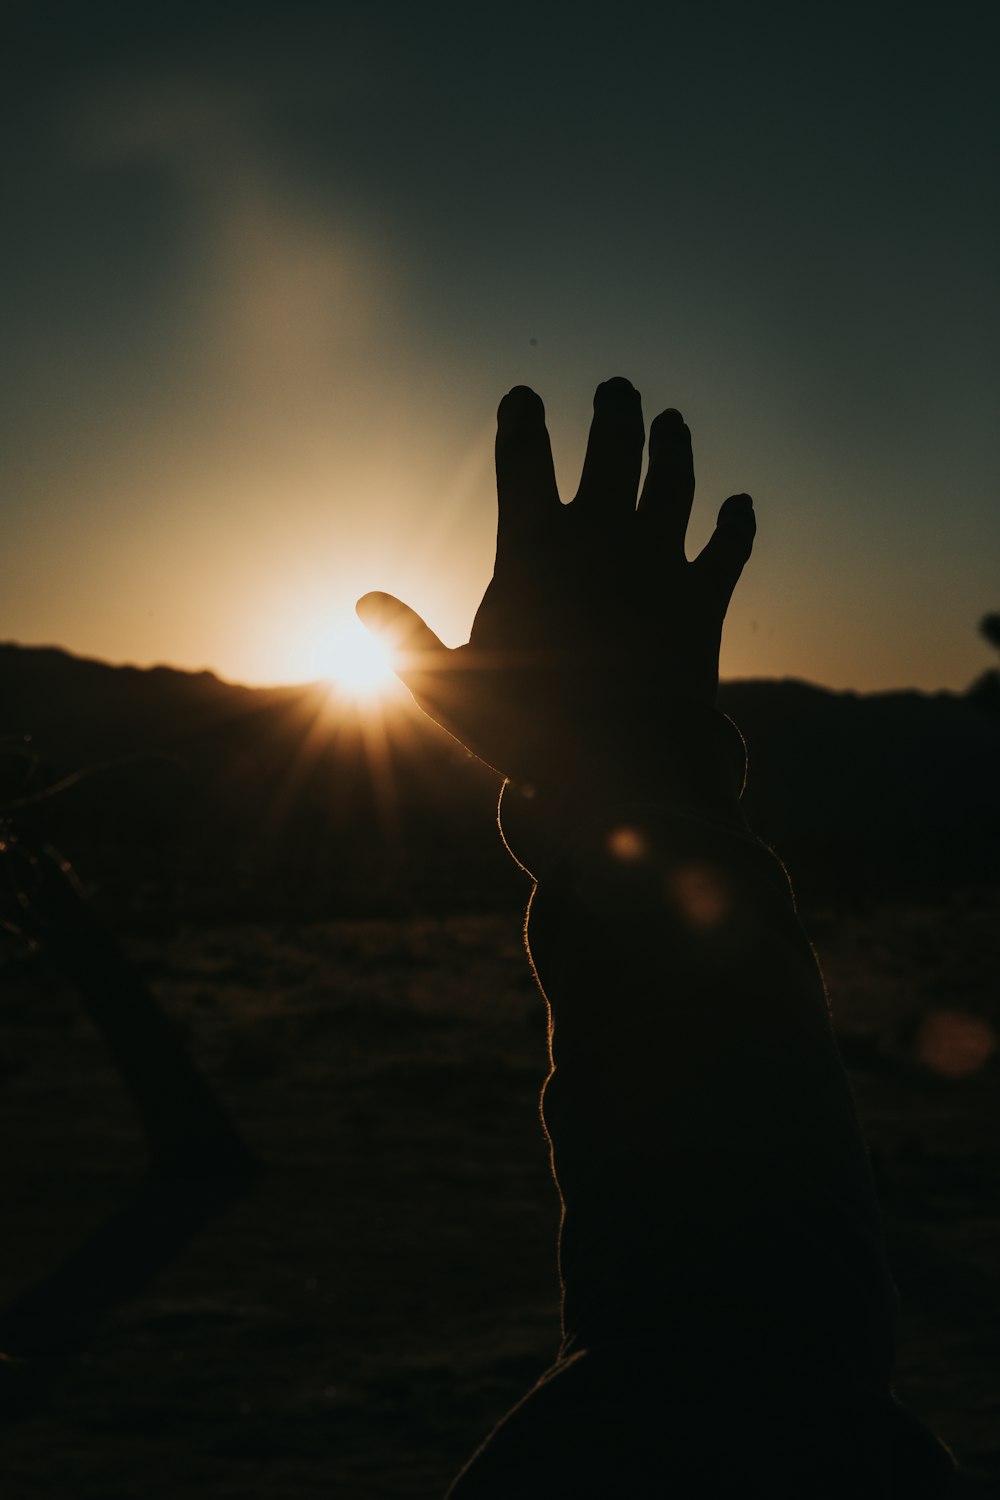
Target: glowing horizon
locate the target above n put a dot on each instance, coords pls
(253, 373)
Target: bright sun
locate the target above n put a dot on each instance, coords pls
(357, 664)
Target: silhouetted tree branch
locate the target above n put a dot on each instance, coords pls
(985, 691)
(989, 629)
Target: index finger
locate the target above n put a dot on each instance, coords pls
(526, 476)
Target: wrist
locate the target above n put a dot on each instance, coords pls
(698, 768)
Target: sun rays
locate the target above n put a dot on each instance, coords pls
(357, 664)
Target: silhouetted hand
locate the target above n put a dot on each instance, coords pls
(596, 637)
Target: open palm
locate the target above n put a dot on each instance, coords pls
(595, 633)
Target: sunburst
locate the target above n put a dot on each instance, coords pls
(357, 664)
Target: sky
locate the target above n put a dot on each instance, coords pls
(268, 268)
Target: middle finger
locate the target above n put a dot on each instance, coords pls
(610, 479)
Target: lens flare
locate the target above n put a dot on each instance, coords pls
(357, 664)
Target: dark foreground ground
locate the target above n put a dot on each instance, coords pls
(353, 1324)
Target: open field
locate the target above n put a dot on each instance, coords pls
(353, 1323)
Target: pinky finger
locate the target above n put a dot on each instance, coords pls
(724, 555)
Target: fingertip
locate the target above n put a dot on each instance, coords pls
(668, 430)
(372, 609)
(736, 528)
(521, 405)
(618, 391)
(738, 513)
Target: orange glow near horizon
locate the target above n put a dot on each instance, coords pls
(253, 375)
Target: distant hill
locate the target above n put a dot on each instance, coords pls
(882, 792)
(222, 800)
(211, 798)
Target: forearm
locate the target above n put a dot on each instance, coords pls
(702, 1129)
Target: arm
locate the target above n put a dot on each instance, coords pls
(717, 1202)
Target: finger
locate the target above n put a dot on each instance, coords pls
(610, 478)
(724, 555)
(665, 502)
(414, 646)
(526, 476)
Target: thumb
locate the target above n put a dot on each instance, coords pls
(414, 646)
